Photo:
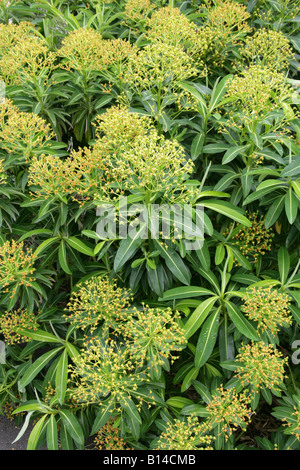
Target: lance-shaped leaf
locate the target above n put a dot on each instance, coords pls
(207, 339)
(52, 433)
(227, 209)
(36, 367)
(36, 433)
(218, 92)
(61, 377)
(233, 152)
(185, 292)
(174, 263)
(72, 425)
(240, 321)
(291, 205)
(293, 169)
(103, 416)
(80, 246)
(39, 335)
(128, 247)
(198, 316)
(283, 263)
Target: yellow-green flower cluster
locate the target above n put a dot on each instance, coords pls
(153, 334)
(225, 26)
(136, 12)
(98, 301)
(261, 366)
(158, 164)
(109, 437)
(268, 307)
(16, 265)
(159, 67)
(188, 434)
(24, 54)
(117, 127)
(255, 240)
(12, 324)
(267, 48)
(84, 50)
(226, 16)
(22, 134)
(127, 151)
(254, 94)
(52, 176)
(104, 371)
(168, 25)
(229, 410)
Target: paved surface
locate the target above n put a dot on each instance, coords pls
(8, 433)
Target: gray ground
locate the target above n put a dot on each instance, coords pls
(8, 433)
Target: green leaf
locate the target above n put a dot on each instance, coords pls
(62, 257)
(196, 410)
(131, 410)
(291, 206)
(218, 147)
(174, 263)
(36, 433)
(61, 377)
(198, 316)
(207, 339)
(196, 94)
(44, 245)
(39, 335)
(233, 152)
(36, 367)
(227, 209)
(283, 263)
(218, 92)
(65, 438)
(203, 256)
(269, 184)
(293, 169)
(178, 402)
(295, 312)
(185, 292)
(127, 248)
(102, 417)
(241, 323)
(72, 425)
(80, 246)
(24, 427)
(229, 365)
(52, 434)
(296, 187)
(197, 145)
(32, 233)
(72, 351)
(190, 376)
(103, 101)
(274, 211)
(259, 194)
(30, 407)
(203, 391)
(226, 181)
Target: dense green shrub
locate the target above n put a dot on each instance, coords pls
(185, 341)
